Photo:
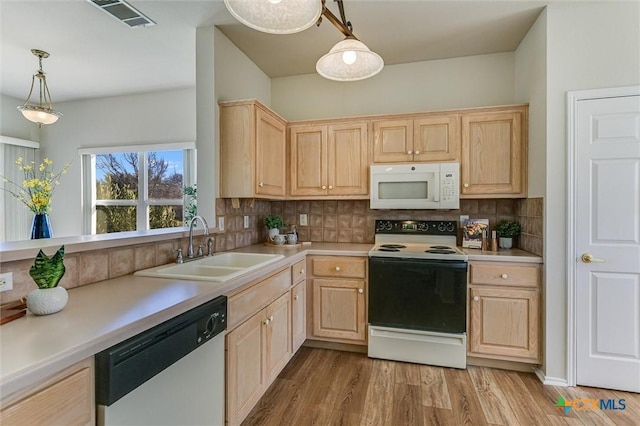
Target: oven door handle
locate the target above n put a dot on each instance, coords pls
(440, 264)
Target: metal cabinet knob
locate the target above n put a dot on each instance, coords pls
(588, 258)
(504, 276)
(296, 297)
(360, 291)
(324, 186)
(476, 299)
(266, 322)
(466, 185)
(260, 184)
(301, 271)
(271, 318)
(337, 269)
(417, 152)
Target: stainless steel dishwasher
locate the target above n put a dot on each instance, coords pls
(172, 374)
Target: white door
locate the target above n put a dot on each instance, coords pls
(607, 242)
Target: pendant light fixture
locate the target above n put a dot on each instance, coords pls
(42, 113)
(348, 60)
(276, 16)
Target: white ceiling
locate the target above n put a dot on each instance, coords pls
(94, 55)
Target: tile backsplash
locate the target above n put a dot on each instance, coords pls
(345, 221)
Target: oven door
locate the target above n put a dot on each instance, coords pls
(418, 294)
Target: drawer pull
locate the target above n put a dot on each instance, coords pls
(360, 291)
(466, 185)
(260, 184)
(301, 271)
(504, 276)
(337, 269)
(476, 298)
(296, 297)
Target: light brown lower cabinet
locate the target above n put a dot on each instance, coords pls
(504, 311)
(298, 315)
(339, 286)
(67, 398)
(257, 351)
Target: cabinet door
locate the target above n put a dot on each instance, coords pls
(246, 369)
(278, 328)
(308, 160)
(504, 323)
(392, 141)
(436, 139)
(298, 315)
(67, 398)
(494, 154)
(270, 155)
(339, 309)
(348, 164)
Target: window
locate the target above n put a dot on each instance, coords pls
(137, 188)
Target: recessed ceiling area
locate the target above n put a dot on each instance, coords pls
(94, 55)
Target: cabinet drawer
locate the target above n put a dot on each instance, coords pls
(299, 271)
(339, 266)
(504, 273)
(250, 301)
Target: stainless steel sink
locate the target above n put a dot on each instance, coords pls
(218, 268)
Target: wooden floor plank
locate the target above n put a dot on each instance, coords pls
(464, 401)
(351, 397)
(519, 398)
(492, 400)
(434, 387)
(545, 397)
(563, 421)
(408, 373)
(588, 415)
(378, 407)
(438, 416)
(407, 409)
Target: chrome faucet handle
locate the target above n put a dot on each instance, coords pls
(200, 252)
(179, 258)
(210, 247)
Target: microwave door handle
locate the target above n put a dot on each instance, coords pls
(436, 191)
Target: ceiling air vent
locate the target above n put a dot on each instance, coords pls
(123, 12)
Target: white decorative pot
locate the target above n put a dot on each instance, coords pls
(45, 301)
(506, 243)
(273, 232)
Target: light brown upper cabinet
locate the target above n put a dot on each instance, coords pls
(494, 153)
(252, 151)
(329, 160)
(419, 139)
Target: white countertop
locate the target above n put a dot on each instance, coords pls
(100, 315)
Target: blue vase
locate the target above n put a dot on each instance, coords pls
(41, 226)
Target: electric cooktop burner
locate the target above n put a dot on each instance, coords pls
(440, 251)
(393, 246)
(440, 248)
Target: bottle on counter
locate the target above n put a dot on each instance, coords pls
(494, 241)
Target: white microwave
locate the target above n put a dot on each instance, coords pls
(415, 186)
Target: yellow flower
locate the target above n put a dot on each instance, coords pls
(38, 186)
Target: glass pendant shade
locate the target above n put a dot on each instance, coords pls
(349, 60)
(276, 16)
(38, 114)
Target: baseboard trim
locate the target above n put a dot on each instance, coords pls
(550, 381)
(335, 346)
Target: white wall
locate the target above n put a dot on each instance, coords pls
(223, 73)
(421, 86)
(590, 45)
(531, 88)
(156, 117)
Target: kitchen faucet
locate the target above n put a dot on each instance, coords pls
(206, 232)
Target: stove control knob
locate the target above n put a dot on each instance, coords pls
(442, 227)
(387, 226)
(451, 227)
(423, 226)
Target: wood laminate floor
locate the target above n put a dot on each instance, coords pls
(325, 387)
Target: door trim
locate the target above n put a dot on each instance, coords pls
(573, 97)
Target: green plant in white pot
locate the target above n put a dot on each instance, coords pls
(47, 272)
(274, 222)
(507, 231)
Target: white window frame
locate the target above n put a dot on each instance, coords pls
(143, 202)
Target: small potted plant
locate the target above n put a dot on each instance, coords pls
(507, 231)
(47, 272)
(274, 222)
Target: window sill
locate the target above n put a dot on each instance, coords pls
(20, 250)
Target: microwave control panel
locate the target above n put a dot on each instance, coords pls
(449, 187)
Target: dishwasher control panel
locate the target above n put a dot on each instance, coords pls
(214, 324)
